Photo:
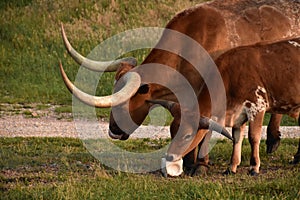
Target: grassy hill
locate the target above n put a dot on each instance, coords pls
(31, 44)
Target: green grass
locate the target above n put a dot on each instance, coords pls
(61, 168)
(63, 109)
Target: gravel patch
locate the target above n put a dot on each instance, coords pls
(28, 121)
(20, 126)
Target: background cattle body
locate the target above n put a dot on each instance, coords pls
(218, 26)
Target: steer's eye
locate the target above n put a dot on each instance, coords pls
(144, 89)
(187, 137)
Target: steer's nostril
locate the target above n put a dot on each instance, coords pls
(169, 158)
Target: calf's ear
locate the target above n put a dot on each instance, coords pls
(123, 69)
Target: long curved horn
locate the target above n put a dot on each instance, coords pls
(210, 124)
(132, 84)
(166, 104)
(98, 66)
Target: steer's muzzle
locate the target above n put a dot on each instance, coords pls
(172, 166)
(116, 133)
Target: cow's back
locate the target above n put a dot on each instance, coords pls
(221, 25)
(275, 67)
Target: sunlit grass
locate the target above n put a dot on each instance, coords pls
(61, 168)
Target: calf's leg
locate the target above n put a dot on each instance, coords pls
(238, 136)
(254, 136)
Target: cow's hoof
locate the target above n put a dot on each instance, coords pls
(272, 145)
(199, 168)
(253, 173)
(228, 172)
(189, 171)
(295, 161)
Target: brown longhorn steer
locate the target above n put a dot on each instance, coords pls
(218, 26)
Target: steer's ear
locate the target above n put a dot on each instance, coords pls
(176, 111)
(124, 68)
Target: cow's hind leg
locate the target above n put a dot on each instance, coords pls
(297, 155)
(254, 136)
(273, 133)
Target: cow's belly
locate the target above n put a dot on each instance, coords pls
(284, 108)
(286, 101)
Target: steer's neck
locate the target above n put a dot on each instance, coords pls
(160, 92)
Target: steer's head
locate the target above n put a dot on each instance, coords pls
(127, 116)
(129, 106)
(131, 102)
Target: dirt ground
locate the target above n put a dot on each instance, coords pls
(18, 120)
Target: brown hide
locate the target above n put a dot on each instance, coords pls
(259, 24)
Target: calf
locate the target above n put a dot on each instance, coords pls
(259, 78)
